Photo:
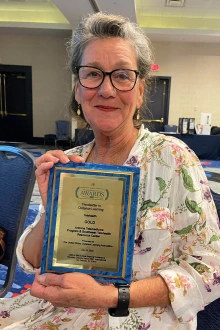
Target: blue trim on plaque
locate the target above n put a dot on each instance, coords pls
(130, 177)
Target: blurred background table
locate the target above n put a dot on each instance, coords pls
(205, 146)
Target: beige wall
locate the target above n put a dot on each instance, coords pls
(194, 69)
(51, 80)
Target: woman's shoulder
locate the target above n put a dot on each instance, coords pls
(149, 137)
(156, 139)
(166, 146)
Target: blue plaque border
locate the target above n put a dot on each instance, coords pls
(131, 175)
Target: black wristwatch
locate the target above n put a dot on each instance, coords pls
(123, 301)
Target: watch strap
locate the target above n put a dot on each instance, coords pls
(123, 302)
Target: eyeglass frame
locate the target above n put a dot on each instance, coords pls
(106, 73)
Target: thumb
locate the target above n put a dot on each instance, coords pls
(50, 279)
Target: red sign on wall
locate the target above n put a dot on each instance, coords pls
(155, 67)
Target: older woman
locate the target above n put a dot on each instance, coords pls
(176, 255)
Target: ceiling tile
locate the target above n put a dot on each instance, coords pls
(214, 4)
(173, 11)
(197, 3)
(154, 3)
(194, 12)
(213, 13)
(152, 11)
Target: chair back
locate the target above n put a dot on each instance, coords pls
(209, 318)
(170, 128)
(17, 178)
(215, 177)
(62, 129)
(83, 136)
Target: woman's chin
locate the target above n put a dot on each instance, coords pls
(105, 127)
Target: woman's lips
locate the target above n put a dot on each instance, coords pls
(105, 108)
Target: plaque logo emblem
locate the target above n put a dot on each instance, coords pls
(92, 193)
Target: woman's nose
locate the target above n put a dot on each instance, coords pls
(107, 89)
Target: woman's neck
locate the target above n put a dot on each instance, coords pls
(113, 148)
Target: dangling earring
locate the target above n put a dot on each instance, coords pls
(138, 114)
(79, 110)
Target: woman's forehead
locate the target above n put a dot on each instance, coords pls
(112, 50)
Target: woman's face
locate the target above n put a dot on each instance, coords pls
(105, 108)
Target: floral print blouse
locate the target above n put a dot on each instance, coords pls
(177, 237)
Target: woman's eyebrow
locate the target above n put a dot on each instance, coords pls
(118, 65)
(95, 64)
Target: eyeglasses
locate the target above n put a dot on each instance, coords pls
(122, 79)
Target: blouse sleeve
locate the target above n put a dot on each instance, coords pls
(193, 277)
(28, 268)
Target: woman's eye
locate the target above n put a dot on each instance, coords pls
(121, 76)
(93, 74)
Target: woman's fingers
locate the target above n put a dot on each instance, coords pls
(42, 175)
(76, 159)
(45, 162)
(59, 154)
(63, 158)
(43, 167)
(45, 159)
(56, 156)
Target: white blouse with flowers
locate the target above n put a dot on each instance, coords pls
(177, 236)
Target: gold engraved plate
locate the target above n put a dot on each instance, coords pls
(88, 225)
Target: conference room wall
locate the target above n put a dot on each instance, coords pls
(51, 81)
(194, 69)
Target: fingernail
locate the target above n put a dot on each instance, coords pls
(65, 160)
(80, 159)
(41, 278)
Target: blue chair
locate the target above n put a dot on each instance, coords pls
(209, 318)
(62, 132)
(49, 139)
(17, 178)
(83, 136)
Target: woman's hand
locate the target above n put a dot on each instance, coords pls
(45, 162)
(74, 290)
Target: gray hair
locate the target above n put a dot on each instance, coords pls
(101, 26)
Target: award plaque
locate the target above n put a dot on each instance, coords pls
(90, 221)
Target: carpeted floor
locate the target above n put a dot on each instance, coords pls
(22, 280)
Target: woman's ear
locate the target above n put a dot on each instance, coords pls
(76, 87)
(140, 93)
